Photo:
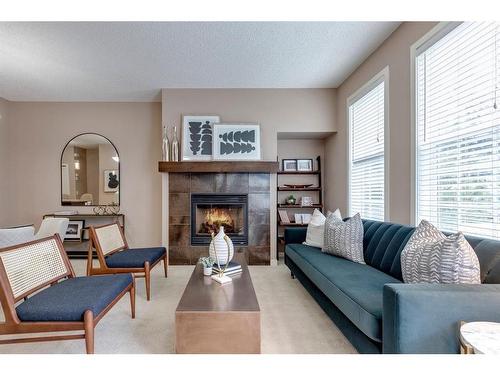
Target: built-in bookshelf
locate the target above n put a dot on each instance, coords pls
(283, 191)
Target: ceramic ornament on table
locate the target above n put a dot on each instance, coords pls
(220, 247)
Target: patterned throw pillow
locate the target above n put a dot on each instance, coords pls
(344, 239)
(431, 257)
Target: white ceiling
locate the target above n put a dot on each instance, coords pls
(132, 61)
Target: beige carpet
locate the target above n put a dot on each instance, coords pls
(292, 322)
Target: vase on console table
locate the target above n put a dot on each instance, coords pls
(175, 146)
(222, 250)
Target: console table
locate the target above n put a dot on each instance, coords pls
(79, 249)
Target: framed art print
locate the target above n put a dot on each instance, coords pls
(289, 165)
(197, 137)
(236, 142)
(74, 231)
(304, 165)
(111, 180)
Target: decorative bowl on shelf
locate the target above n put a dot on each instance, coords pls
(296, 186)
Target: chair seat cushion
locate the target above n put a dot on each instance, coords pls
(69, 299)
(135, 258)
(356, 289)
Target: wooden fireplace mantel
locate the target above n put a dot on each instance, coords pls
(218, 166)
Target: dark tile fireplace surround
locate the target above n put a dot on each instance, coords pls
(250, 188)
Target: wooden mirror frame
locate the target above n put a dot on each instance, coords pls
(60, 170)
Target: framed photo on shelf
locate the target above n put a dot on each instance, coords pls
(306, 201)
(197, 137)
(236, 142)
(289, 165)
(304, 165)
(74, 231)
(284, 216)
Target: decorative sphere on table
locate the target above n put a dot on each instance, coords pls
(221, 248)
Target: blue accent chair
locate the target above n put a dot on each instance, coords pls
(40, 293)
(372, 306)
(116, 257)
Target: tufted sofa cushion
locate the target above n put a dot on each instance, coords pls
(383, 243)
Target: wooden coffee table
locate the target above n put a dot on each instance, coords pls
(214, 318)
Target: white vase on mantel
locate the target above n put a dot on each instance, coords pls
(221, 248)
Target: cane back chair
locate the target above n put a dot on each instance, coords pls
(39, 293)
(115, 256)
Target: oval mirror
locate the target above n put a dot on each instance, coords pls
(90, 172)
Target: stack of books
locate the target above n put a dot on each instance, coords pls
(233, 268)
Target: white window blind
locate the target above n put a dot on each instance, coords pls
(366, 122)
(458, 131)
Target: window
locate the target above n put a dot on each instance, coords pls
(458, 130)
(366, 130)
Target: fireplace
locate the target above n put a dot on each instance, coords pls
(211, 211)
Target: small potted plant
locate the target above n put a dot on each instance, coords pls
(291, 200)
(207, 263)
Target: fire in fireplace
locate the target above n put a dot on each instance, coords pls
(217, 217)
(211, 211)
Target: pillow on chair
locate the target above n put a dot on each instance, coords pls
(431, 257)
(16, 236)
(344, 239)
(51, 226)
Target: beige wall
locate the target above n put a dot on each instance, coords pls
(4, 109)
(276, 110)
(40, 130)
(395, 53)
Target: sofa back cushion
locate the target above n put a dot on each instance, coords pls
(383, 243)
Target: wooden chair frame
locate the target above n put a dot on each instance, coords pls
(13, 325)
(144, 271)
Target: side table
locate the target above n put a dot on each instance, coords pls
(480, 338)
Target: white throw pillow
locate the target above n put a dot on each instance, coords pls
(316, 228)
(431, 257)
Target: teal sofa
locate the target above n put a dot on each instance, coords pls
(372, 306)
